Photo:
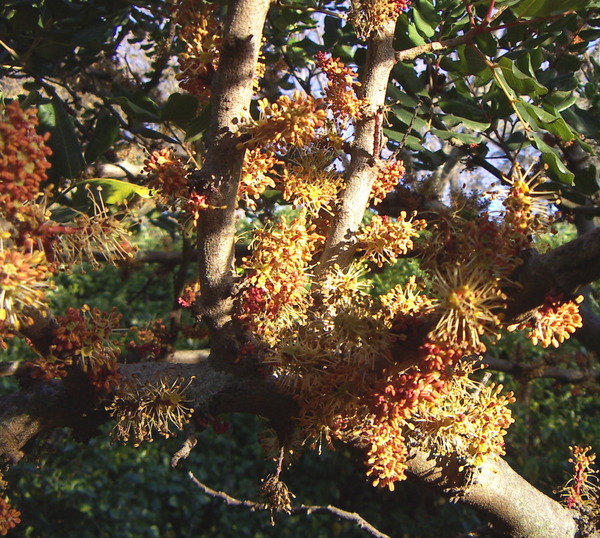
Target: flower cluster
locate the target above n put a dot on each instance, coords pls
(527, 208)
(369, 16)
(581, 491)
(285, 123)
(383, 240)
(468, 301)
(23, 285)
(9, 516)
(256, 175)
(169, 174)
(96, 238)
(152, 340)
(200, 32)
(84, 337)
(276, 493)
(23, 157)
(553, 322)
(388, 177)
(275, 290)
(340, 94)
(469, 421)
(310, 186)
(141, 409)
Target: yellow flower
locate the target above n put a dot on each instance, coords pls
(23, 284)
(468, 301)
(384, 240)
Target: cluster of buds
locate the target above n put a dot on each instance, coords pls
(389, 175)
(152, 340)
(9, 516)
(23, 158)
(83, 337)
(553, 322)
(581, 491)
(169, 175)
(340, 94)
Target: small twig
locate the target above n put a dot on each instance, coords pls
(227, 499)
(185, 450)
(342, 514)
(11, 368)
(302, 509)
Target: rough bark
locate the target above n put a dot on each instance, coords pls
(513, 505)
(220, 175)
(363, 169)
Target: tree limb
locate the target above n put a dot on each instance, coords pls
(362, 170)
(498, 492)
(220, 175)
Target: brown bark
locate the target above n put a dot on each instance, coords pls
(220, 175)
(513, 505)
(363, 169)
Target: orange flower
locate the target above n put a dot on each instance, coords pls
(369, 16)
(467, 301)
(9, 517)
(340, 95)
(200, 31)
(170, 174)
(23, 157)
(388, 177)
(553, 322)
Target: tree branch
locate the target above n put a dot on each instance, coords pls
(498, 492)
(296, 510)
(537, 370)
(362, 170)
(220, 175)
(565, 270)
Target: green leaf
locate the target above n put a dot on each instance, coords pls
(586, 180)
(407, 117)
(112, 191)
(465, 138)
(541, 8)
(143, 109)
(67, 158)
(196, 129)
(583, 121)
(543, 119)
(452, 121)
(518, 81)
(180, 109)
(152, 134)
(105, 134)
(422, 26)
(551, 157)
